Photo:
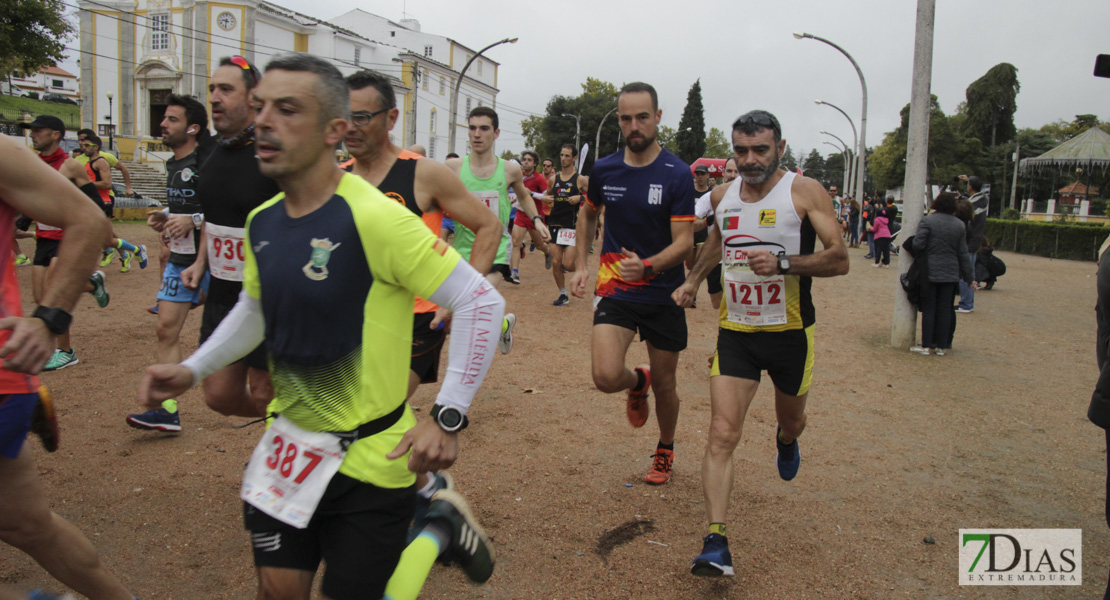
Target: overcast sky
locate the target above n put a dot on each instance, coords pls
(746, 57)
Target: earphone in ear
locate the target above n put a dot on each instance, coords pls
(193, 130)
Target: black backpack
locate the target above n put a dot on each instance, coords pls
(912, 280)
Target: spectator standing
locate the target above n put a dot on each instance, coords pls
(1099, 410)
(881, 231)
(942, 237)
(853, 224)
(975, 231)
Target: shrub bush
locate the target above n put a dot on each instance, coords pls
(1074, 241)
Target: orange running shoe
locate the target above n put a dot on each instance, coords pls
(638, 407)
(660, 472)
(44, 421)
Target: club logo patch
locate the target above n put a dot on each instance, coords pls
(317, 267)
(767, 217)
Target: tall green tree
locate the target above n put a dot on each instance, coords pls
(814, 166)
(788, 161)
(991, 104)
(950, 152)
(666, 137)
(33, 34)
(691, 128)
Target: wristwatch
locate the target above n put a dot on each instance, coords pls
(648, 269)
(449, 418)
(198, 220)
(56, 319)
(540, 217)
(784, 263)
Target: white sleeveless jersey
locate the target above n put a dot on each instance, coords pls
(752, 302)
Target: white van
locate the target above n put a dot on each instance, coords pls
(10, 89)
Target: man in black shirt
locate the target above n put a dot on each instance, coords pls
(184, 127)
(231, 186)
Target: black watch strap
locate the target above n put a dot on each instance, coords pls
(449, 418)
(56, 319)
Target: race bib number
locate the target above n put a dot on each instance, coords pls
(289, 470)
(185, 244)
(225, 251)
(753, 300)
(565, 237)
(492, 200)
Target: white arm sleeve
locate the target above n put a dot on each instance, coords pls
(537, 195)
(475, 330)
(241, 331)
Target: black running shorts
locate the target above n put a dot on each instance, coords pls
(358, 530)
(426, 347)
(787, 356)
(663, 326)
(45, 250)
(214, 313)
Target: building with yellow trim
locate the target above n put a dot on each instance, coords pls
(140, 51)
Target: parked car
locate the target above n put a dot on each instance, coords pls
(59, 99)
(10, 89)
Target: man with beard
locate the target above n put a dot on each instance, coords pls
(184, 123)
(230, 187)
(332, 267)
(566, 188)
(767, 224)
(648, 195)
(47, 133)
(537, 184)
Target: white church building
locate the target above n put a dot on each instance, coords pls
(134, 53)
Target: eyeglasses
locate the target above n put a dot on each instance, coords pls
(362, 119)
(239, 61)
(760, 119)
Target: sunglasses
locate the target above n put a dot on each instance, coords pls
(762, 120)
(362, 119)
(241, 62)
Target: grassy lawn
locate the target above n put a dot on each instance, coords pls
(11, 107)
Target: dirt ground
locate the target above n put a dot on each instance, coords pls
(898, 447)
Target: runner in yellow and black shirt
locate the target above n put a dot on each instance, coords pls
(331, 270)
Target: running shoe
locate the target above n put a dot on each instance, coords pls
(43, 595)
(505, 344)
(562, 300)
(532, 247)
(152, 309)
(964, 311)
(443, 481)
(99, 291)
(547, 261)
(920, 350)
(661, 463)
(469, 546)
(515, 278)
(715, 560)
(44, 421)
(106, 259)
(61, 360)
(158, 419)
(142, 257)
(940, 351)
(22, 260)
(125, 261)
(638, 407)
(789, 458)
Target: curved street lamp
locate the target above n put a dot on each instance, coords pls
(577, 129)
(855, 139)
(861, 165)
(847, 162)
(458, 84)
(597, 144)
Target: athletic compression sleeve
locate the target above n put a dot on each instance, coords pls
(241, 331)
(475, 330)
(92, 193)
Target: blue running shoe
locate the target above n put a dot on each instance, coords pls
(158, 419)
(44, 595)
(444, 481)
(142, 257)
(715, 560)
(789, 458)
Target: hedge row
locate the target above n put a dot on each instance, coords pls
(1052, 240)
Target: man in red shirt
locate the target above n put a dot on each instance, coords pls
(26, 522)
(537, 184)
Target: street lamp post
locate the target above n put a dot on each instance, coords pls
(110, 128)
(849, 164)
(458, 84)
(861, 156)
(597, 143)
(846, 160)
(577, 129)
(855, 138)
